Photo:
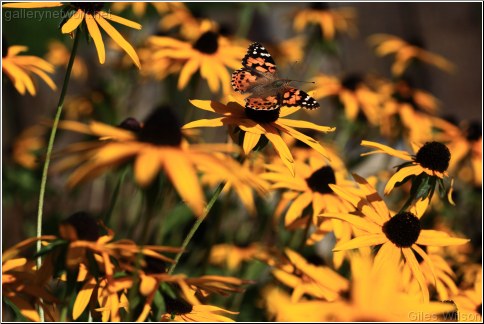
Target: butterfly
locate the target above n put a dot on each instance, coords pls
(258, 76)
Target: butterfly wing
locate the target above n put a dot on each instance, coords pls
(259, 60)
(293, 97)
(243, 80)
(262, 103)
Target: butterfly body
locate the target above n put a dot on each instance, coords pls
(260, 79)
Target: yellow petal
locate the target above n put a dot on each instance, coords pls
(190, 67)
(361, 241)
(297, 207)
(148, 285)
(96, 36)
(83, 298)
(357, 221)
(184, 178)
(147, 165)
(119, 20)
(250, 141)
(311, 142)
(207, 72)
(280, 146)
(214, 122)
(412, 262)
(437, 238)
(32, 5)
(116, 36)
(305, 124)
(400, 175)
(386, 150)
(73, 22)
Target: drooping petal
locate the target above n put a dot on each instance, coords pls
(361, 241)
(147, 165)
(417, 272)
(250, 141)
(357, 221)
(184, 178)
(73, 22)
(303, 138)
(83, 298)
(190, 67)
(96, 36)
(297, 207)
(385, 150)
(400, 175)
(305, 124)
(116, 36)
(280, 146)
(120, 20)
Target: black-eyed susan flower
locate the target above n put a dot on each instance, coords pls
(211, 54)
(304, 278)
(426, 169)
(311, 188)
(405, 52)
(256, 125)
(156, 145)
(330, 20)
(58, 55)
(399, 236)
(465, 144)
(180, 311)
(93, 17)
(353, 94)
(20, 69)
(377, 295)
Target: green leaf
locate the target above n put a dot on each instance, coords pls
(159, 307)
(49, 248)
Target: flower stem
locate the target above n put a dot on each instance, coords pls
(196, 225)
(49, 152)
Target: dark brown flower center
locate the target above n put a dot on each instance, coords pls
(320, 179)
(130, 124)
(88, 7)
(86, 226)
(474, 131)
(402, 229)
(352, 81)
(434, 156)
(207, 43)
(262, 116)
(176, 306)
(161, 128)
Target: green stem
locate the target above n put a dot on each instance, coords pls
(196, 225)
(49, 152)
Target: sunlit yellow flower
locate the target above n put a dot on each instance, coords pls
(377, 295)
(427, 167)
(28, 144)
(400, 235)
(91, 14)
(22, 284)
(288, 51)
(407, 107)
(465, 145)
(469, 302)
(353, 94)
(438, 274)
(330, 20)
(155, 146)
(58, 55)
(210, 54)
(311, 187)
(405, 52)
(256, 125)
(21, 68)
(307, 279)
(77, 107)
(232, 256)
(139, 8)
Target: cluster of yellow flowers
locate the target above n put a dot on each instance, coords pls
(285, 226)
